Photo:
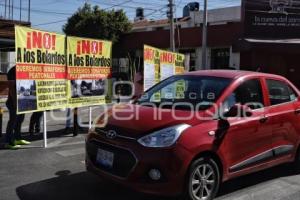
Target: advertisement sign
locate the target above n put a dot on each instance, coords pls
(40, 70)
(88, 67)
(272, 18)
(151, 66)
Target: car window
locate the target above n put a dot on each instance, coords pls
(280, 92)
(199, 91)
(248, 93)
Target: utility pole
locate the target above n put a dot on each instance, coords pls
(204, 37)
(29, 10)
(20, 10)
(5, 9)
(170, 14)
(8, 9)
(12, 9)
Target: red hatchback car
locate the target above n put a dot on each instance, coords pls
(191, 132)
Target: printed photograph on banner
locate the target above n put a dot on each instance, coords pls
(26, 92)
(40, 70)
(151, 66)
(88, 69)
(86, 88)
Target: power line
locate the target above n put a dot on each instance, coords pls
(40, 11)
(48, 23)
(116, 5)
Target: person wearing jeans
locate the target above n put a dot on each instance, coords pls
(35, 123)
(13, 130)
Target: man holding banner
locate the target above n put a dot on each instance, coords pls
(13, 130)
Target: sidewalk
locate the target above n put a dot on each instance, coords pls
(56, 123)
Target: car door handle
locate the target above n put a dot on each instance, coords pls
(297, 112)
(263, 119)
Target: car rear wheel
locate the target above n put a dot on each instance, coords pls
(204, 180)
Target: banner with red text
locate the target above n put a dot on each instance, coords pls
(88, 69)
(160, 64)
(167, 64)
(40, 70)
(151, 66)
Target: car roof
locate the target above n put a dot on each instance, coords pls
(232, 74)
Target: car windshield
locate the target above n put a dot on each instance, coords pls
(186, 92)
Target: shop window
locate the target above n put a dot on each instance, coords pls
(220, 58)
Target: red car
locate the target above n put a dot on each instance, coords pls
(191, 132)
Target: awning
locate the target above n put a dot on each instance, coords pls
(278, 45)
(284, 41)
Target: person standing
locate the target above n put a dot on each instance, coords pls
(13, 130)
(35, 123)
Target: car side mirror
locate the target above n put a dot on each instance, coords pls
(239, 110)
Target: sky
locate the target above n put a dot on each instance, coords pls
(51, 15)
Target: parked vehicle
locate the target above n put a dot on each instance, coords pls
(212, 126)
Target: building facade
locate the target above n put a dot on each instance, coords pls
(254, 36)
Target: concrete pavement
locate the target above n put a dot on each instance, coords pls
(58, 172)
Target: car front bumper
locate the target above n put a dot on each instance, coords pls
(133, 163)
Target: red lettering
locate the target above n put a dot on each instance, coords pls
(53, 42)
(28, 40)
(86, 47)
(36, 39)
(41, 40)
(94, 47)
(149, 54)
(47, 41)
(100, 48)
(78, 48)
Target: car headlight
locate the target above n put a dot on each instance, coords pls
(163, 138)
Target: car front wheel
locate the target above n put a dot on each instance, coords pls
(204, 179)
(297, 162)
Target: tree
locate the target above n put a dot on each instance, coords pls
(93, 22)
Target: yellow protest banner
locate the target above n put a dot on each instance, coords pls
(167, 64)
(40, 70)
(179, 69)
(179, 64)
(88, 68)
(151, 66)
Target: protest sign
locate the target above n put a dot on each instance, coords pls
(151, 66)
(40, 70)
(88, 67)
(179, 64)
(160, 65)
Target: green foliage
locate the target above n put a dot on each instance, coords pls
(93, 22)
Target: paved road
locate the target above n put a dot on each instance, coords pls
(58, 173)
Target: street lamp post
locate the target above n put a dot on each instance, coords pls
(204, 37)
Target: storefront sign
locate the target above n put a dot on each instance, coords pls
(89, 66)
(40, 70)
(271, 18)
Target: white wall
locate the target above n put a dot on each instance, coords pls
(199, 58)
(216, 16)
(235, 59)
(7, 60)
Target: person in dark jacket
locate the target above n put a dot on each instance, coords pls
(13, 130)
